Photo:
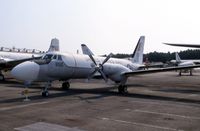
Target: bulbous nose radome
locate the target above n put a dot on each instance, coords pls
(26, 71)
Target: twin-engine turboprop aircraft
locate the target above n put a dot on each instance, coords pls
(63, 66)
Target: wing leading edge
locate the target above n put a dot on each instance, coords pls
(141, 72)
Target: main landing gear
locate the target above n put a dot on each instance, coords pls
(122, 89)
(65, 85)
(190, 71)
(2, 78)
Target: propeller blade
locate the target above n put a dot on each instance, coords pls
(103, 75)
(92, 58)
(99, 67)
(92, 74)
(107, 58)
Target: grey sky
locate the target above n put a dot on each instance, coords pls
(104, 25)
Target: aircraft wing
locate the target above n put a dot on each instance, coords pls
(6, 65)
(152, 66)
(140, 72)
(183, 45)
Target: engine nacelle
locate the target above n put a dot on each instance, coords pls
(114, 71)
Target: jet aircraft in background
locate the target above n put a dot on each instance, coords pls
(64, 66)
(11, 58)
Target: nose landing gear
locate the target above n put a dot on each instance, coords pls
(45, 92)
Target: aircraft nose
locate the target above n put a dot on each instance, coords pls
(26, 71)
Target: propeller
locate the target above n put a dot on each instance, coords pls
(99, 67)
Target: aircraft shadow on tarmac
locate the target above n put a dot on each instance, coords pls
(99, 93)
(185, 91)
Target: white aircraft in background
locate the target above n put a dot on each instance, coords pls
(180, 62)
(184, 62)
(11, 58)
(64, 66)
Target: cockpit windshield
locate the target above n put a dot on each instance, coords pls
(51, 56)
(47, 57)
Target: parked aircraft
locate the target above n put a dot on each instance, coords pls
(11, 58)
(64, 66)
(179, 62)
(185, 62)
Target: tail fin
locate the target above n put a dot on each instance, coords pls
(137, 56)
(54, 46)
(178, 59)
(86, 50)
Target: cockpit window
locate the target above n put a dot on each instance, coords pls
(54, 57)
(59, 57)
(47, 56)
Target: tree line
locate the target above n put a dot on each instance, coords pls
(165, 57)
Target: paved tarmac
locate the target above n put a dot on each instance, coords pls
(155, 102)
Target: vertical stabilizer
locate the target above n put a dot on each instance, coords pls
(86, 50)
(137, 56)
(178, 59)
(54, 46)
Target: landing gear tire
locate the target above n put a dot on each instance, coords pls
(2, 77)
(45, 93)
(191, 72)
(180, 73)
(65, 85)
(122, 89)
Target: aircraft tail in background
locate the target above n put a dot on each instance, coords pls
(178, 59)
(54, 46)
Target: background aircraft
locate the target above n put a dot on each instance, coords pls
(63, 66)
(11, 58)
(179, 62)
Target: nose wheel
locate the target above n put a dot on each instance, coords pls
(45, 92)
(122, 89)
(65, 85)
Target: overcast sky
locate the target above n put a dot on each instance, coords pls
(104, 25)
